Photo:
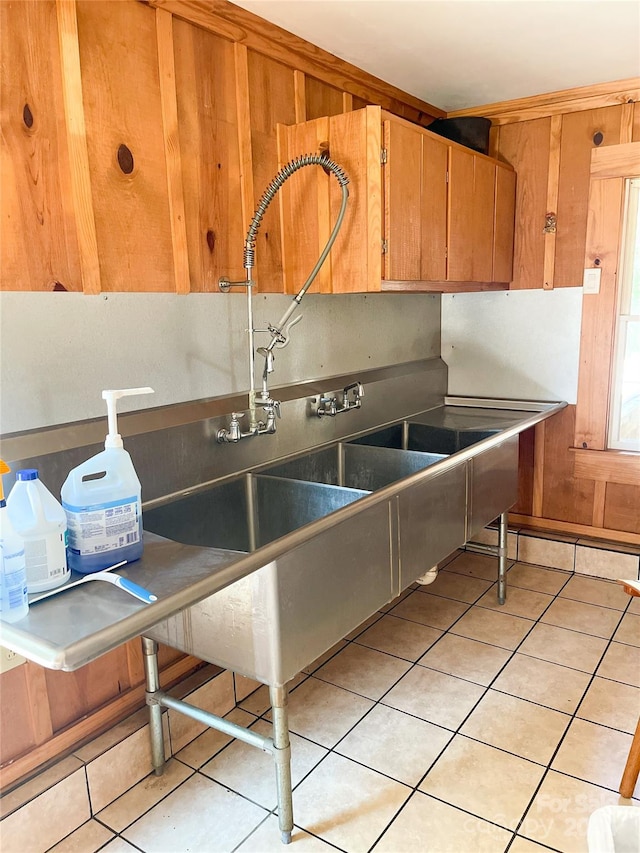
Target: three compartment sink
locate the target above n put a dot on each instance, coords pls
(425, 438)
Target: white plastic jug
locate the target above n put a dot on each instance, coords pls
(41, 522)
(103, 502)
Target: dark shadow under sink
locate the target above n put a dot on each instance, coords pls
(424, 438)
(246, 513)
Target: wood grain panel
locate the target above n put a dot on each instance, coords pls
(622, 507)
(553, 181)
(72, 695)
(484, 182)
(272, 101)
(635, 130)
(525, 473)
(598, 314)
(121, 90)
(403, 202)
(38, 243)
(525, 146)
(433, 239)
(305, 208)
(356, 257)
(578, 132)
(616, 161)
(236, 24)
(471, 216)
(460, 215)
(209, 143)
(565, 498)
(504, 224)
(322, 99)
(17, 733)
(168, 97)
(615, 466)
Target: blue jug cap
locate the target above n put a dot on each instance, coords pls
(27, 474)
(3, 503)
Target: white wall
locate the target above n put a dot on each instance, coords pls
(520, 344)
(59, 350)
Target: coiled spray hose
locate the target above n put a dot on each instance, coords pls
(269, 194)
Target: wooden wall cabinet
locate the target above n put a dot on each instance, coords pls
(551, 156)
(425, 213)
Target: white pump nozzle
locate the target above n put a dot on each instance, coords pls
(114, 439)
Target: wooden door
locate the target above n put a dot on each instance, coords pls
(470, 216)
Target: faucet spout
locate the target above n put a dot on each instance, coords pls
(280, 332)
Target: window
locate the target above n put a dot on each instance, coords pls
(624, 422)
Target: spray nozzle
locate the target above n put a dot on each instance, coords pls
(114, 439)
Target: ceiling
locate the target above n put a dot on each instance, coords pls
(463, 53)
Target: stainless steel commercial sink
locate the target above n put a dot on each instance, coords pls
(246, 513)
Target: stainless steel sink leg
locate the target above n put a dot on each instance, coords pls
(282, 758)
(502, 558)
(150, 649)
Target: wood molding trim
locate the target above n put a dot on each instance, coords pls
(616, 161)
(236, 24)
(77, 144)
(580, 531)
(168, 99)
(441, 286)
(90, 726)
(553, 184)
(554, 103)
(609, 466)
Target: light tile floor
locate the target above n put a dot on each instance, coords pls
(446, 723)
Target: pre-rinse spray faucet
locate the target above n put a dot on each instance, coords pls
(279, 332)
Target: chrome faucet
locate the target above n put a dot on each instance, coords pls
(329, 405)
(279, 332)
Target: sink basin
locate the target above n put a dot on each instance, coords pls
(355, 466)
(246, 513)
(425, 438)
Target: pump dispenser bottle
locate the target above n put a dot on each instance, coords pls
(103, 502)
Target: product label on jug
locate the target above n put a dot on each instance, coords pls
(103, 527)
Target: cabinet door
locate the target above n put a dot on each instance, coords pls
(415, 192)
(471, 216)
(525, 145)
(581, 133)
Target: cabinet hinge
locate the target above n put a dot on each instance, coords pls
(385, 247)
(446, 177)
(383, 156)
(550, 223)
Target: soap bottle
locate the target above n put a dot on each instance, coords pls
(41, 522)
(14, 602)
(103, 502)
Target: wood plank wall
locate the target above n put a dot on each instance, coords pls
(137, 145)
(550, 141)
